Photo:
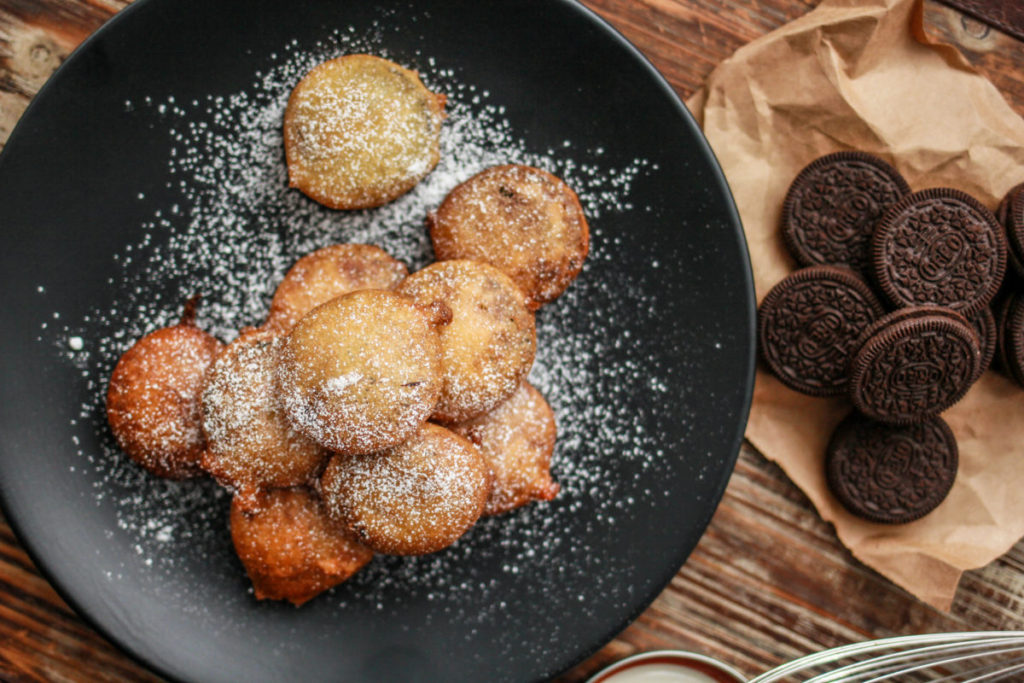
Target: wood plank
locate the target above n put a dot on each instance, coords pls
(769, 582)
(1006, 15)
(685, 40)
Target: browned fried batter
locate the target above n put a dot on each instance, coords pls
(290, 548)
(326, 273)
(250, 444)
(361, 372)
(360, 131)
(317, 421)
(517, 439)
(525, 221)
(488, 346)
(153, 397)
(415, 498)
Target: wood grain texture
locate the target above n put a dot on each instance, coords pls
(768, 582)
(1006, 15)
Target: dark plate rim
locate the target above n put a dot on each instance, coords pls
(748, 282)
(127, 647)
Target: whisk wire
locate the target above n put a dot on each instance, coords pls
(1001, 675)
(938, 663)
(904, 663)
(982, 672)
(903, 655)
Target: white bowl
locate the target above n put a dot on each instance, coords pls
(668, 666)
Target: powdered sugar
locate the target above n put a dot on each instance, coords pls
(153, 400)
(234, 231)
(249, 441)
(341, 382)
(417, 497)
(329, 272)
(359, 132)
(517, 439)
(487, 348)
(361, 372)
(524, 221)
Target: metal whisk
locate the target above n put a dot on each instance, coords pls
(947, 657)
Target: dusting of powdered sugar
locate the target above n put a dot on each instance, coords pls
(487, 347)
(418, 496)
(234, 230)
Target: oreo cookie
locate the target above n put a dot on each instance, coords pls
(832, 206)
(1011, 337)
(913, 363)
(808, 325)
(939, 247)
(1011, 215)
(891, 474)
(984, 324)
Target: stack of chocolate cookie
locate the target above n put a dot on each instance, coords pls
(891, 310)
(1011, 306)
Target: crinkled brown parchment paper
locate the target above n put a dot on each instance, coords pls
(860, 74)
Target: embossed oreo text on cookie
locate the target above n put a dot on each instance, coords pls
(808, 325)
(833, 204)
(891, 474)
(939, 247)
(909, 368)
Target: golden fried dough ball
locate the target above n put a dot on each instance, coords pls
(361, 372)
(360, 131)
(290, 548)
(516, 439)
(522, 220)
(153, 397)
(326, 273)
(415, 498)
(488, 347)
(249, 443)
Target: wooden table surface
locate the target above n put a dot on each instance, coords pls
(767, 583)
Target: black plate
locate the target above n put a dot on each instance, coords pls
(648, 360)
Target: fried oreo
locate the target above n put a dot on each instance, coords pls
(361, 372)
(913, 363)
(517, 439)
(832, 206)
(487, 346)
(939, 247)
(290, 548)
(891, 474)
(808, 324)
(360, 131)
(413, 499)
(327, 273)
(522, 220)
(154, 396)
(249, 442)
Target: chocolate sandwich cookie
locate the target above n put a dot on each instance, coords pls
(891, 474)
(984, 324)
(1011, 337)
(1011, 215)
(833, 204)
(1004, 205)
(939, 247)
(913, 363)
(808, 324)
